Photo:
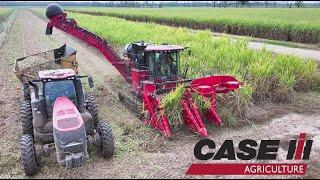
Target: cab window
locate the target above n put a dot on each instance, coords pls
(56, 89)
(163, 64)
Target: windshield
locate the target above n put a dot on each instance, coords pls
(163, 64)
(56, 89)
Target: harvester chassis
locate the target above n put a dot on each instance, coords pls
(140, 72)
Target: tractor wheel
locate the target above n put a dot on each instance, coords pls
(92, 108)
(107, 140)
(28, 155)
(26, 117)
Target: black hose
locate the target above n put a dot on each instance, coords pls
(36, 89)
(80, 95)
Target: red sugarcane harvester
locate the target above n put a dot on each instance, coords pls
(153, 70)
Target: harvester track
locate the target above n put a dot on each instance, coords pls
(133, 103)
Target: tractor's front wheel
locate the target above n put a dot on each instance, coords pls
(92, 108)
(26, 117)
(28, 155)
(107, 140)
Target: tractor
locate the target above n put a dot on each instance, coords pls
(152, 70)
(56, 114)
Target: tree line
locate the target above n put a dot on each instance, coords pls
(152, 4)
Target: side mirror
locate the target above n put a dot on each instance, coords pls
(186, 70)
(26, 91)
(49, 30)
(189, 50)
(90, 82)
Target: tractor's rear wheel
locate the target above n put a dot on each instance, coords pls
(26, 117)
(107, 140)
(92, 108)
(28, 155)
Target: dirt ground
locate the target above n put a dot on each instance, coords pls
(303, 53)
(140, 151)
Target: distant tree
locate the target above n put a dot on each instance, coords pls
(225, 4)
(266, 2)
(290, 5)
(243, 3)
(299, 4)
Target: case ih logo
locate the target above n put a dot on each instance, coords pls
(298, 150)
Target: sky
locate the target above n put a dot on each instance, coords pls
(169, 1)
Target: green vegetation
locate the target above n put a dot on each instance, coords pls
(4, 22)
(288, 24)
(40, 12)
(4, 14)
(265, 76)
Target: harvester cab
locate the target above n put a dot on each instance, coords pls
(56, 113)
(153, 63)
(161, 61)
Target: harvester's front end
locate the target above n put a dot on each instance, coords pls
(156, 71)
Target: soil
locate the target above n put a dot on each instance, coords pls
(140, 151)
(299, 52)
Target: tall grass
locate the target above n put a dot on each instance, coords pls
(289, 24)
(4, 14)
(4, 22)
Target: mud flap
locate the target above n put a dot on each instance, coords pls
(49, 30)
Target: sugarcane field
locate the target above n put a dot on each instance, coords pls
(160, 89)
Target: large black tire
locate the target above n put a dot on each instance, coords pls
(92, 108)
(28, 155)
(26, 117)
(107, 140)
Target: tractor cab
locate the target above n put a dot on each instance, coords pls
(58, 83)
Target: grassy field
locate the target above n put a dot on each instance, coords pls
(290, 24)
(266, 76)
(4, 14)
(4, 22)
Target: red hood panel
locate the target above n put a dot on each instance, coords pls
(66, 116)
